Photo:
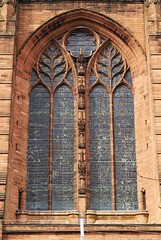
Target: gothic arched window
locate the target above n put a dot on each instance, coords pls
(103, 109)
(51, 134)
(113, 183)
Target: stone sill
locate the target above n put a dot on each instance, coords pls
(127, 217)
(15, 228)
(42, 1)
(47, 217)
(72, 217)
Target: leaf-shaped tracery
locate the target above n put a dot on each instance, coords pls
(108, 72)
(51, 66)
(51, 130)
(110, 67)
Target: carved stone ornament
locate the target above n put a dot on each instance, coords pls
(81, 70)
(81, 102)
(81, 64)
(82, 168)
(82, 173)
(81, 84)
(7, 2)
(81, 89)
(152, 2)
(81, 140)
(81, 125)
(82, 164)
(82, 187)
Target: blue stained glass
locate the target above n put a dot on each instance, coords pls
(81, 39)
(104, 59)
(63, 150)
(110, 47)
(92, 79)
(34, 78)
(100, 150)
(45, 65)
(70, 79)
(125, 157)
(52, 65)
(115, 60)
(57, 79)
(115, 80)
(118, 76)
(104, 77)
(128, 78)
(38, 150)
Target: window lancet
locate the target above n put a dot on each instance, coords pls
(100, 150)
(112, 72)
(124, 143)
(50, 153)
(63, 150)
(38, 154)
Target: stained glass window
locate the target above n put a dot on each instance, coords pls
(38, 150)
(96, 74)
(63, 150)
(100, 150)
(112, 133)
(50, 173)
(124, 142)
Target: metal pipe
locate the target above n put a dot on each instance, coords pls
(81, 229)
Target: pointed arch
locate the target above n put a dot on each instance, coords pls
(124, 147)
(38, 149)
(86, 18)
(63, 150)
(100, 149)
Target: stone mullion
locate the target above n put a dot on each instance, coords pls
(50, 153)
(113, 181)
(81, 135)
(81, 124)
(51, 142)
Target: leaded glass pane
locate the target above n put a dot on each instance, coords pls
(70, 79)
(63, 150)
(81, 39)
(92, 79)
(45, 68)
(100, 150)
(57, 79)
(124, 142)
(117, 69)
(104, 67)
(128, 78)
(38, 150)
(34, 78)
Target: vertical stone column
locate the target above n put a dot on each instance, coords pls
(7, 41)
(153, 43)
(81, 129)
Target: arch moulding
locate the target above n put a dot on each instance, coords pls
(81, 17)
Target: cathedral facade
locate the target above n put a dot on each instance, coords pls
(80, 119)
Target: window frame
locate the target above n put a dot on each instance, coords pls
(84, 66)
(20, 102)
